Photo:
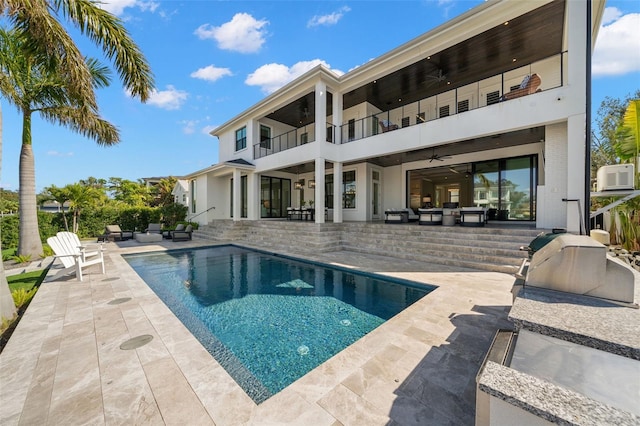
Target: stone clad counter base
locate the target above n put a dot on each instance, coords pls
(547, 401)
(587, 321)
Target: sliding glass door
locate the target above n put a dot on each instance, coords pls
(507, 187)
(275, 196)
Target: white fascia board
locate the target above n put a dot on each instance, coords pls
(219, 167)
(282, 96)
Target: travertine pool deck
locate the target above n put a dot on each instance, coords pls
(64, 365)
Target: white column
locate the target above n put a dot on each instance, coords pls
(321, 112)
(237, 194)
(253, 196)
(337, 192)
(336, 116)
(576, 124)
(319, 191)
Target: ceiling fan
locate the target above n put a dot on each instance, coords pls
(438, 77)
(438, 157)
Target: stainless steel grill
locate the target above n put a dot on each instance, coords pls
(579, 264)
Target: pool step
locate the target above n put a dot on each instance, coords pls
(491, 248)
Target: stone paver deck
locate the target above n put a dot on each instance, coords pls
(64, 365)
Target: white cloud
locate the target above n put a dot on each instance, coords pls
(610, 15)
(271, 77)
(170, 99)
(328, 20)
(242, 34)
(59, 154)
(207, 129)
(117, 7)
(188, 126)
(617, 49)
(211, 73)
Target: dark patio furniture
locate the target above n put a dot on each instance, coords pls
(114, 233)
(182, 235)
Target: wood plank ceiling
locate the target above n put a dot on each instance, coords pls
(528, 38)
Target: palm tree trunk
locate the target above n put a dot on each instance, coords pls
(7, 306)
(29, 242)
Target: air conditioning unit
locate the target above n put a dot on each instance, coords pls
(615, 177)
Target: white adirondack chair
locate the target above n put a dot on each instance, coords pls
(71, 240)
(73, 255)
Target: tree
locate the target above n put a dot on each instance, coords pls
(628, 144)
(7, 306)
(604, 137)
(41, 47)
(163, 192)
(60, 196)
(32, 87)
(133, 194)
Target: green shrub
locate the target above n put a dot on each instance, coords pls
(22, 296)
(22, 258)
(9, 231)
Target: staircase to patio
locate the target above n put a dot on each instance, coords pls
(491, 248)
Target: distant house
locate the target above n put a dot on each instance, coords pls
(54, 207)
(181, 192)
(153, 181)
(490, 104)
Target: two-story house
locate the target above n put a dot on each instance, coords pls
(491, 104)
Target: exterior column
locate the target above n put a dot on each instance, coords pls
(576, 124)
(336, 117)
(253, 196)
(236, 196)
(319, 190)
(321, 112)
(337, 192)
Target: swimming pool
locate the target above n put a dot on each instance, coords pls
(268, 319)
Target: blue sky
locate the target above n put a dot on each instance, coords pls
(214, 59)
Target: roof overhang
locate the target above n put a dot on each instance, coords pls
(221, 169)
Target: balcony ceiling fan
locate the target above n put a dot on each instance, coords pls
(436, 156)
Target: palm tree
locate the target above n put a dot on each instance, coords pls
(33, 87)
(42, 44)
(7, 306)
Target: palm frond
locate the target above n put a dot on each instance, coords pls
(108, 31)
(85, 121)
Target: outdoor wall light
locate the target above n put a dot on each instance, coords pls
(312, 184)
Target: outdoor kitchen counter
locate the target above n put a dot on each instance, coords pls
(588, 321)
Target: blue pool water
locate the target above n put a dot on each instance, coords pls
(268, 320)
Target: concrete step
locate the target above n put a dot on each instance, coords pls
(483, 248)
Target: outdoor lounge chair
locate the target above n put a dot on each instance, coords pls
(169, 234)
(113, 232)
(530, 84)
(182, 235)
(71, 240)
(154, 228)
(74, 258)
(387, 126)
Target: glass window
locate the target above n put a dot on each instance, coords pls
(193, 196)
(275, 196)
(265, 136)
(241, 138)
(352, 129)
(349, 190)
(507, 186)
(243, 197)
(328, 191)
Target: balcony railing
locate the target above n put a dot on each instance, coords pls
(476, 95)
(291, 139)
